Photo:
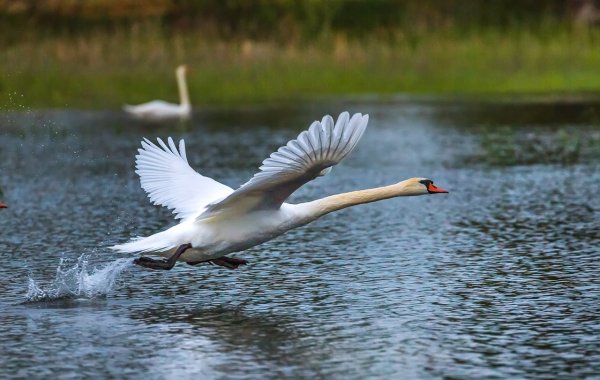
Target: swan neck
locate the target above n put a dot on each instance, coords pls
(184, 97)
(336, 202)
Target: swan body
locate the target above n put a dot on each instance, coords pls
(217, 220)
(161, 110)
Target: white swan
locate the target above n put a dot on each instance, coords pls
(161, 110)
(216, 220)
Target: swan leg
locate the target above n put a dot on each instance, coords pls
(162, 264)
(227, 262)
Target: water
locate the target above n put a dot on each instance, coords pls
(77, 281)
(499, 279)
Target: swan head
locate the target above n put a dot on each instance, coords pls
(420, 186)
(181, 69)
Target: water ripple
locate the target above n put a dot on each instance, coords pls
(499, 279)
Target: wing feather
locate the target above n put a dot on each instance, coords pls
(301, 160)
(169, 180)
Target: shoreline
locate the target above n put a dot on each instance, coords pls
(108, 70)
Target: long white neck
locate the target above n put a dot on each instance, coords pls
(184, 97)
(336, 202)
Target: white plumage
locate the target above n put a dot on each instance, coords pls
(216, 220)
(310, 155)
(167, 177)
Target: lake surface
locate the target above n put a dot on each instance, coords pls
(498, 279)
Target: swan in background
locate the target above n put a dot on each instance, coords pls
(217, 220)
(160, 110)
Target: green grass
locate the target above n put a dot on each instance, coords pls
(107, 70)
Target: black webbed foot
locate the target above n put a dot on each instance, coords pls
(152, 263)
(227, 262)
(162, 264)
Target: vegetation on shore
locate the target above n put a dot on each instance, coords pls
(296, 56)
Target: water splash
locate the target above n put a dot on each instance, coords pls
(77, 281)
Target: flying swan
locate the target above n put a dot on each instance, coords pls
(161, 110)
(217, 220)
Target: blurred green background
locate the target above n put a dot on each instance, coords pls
(103, 53)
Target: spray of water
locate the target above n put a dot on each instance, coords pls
(78, 281)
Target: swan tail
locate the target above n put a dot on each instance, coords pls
(159, 242)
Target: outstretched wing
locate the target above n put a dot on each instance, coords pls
(312, 154)
(170, 181)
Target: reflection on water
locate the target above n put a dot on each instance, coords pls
(498, 279)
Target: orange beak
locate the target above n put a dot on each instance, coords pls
(434, 189)
(3, 205)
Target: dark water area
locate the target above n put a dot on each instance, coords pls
(498, 279)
